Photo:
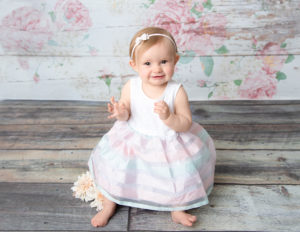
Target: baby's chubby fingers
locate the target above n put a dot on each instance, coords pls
(112, 101)
(117, 109)
(113, 108)
(162, 109)
(111, 105)
(161, 106)
(110, 108)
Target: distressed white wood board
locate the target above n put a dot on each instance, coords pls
(76, 78)
(267, 21)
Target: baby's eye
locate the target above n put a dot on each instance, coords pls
(164, 61)
(147, 63)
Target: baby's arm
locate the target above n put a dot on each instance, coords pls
(120, 110)
(181, 119)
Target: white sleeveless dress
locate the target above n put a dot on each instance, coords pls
(143, 163)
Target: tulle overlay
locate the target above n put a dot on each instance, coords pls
(174, 172)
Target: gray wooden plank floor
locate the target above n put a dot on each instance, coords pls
(234, 207)
(44, 146)
(45, 206)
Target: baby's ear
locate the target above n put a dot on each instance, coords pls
(177, 57)
(133, 65)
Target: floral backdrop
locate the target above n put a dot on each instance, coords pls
(78, 50)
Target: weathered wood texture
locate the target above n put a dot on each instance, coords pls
(234, 208)
(231, 208)
(284, 136)
(49, 207)
(232, 167)
(205, 112)
(45, 145)
(47, 141)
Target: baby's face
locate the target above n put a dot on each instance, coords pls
(156, 65)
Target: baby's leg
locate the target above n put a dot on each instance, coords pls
(102, 218)
(183, 218)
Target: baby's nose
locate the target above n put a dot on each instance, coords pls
(157, 68)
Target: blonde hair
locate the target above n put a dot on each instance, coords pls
(146, 44)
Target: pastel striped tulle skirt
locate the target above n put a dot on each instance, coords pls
(150, 172)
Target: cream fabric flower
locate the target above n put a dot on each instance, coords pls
(98, 201)
(84, 188)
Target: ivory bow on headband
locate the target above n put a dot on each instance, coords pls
(145, 37)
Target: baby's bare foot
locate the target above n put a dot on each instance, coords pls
(102, 218)
(183, 218)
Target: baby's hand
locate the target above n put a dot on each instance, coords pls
(117, 110)
(162, 109)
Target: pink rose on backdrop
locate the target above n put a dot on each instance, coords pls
(201, 35)
(72, 15)
(258, 86)
(25, 29)
(23, 63)
(202, 83)
(208, 34)
(272, 63)
(168, 15)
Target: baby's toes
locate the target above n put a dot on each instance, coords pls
(187, 222)
(93, 222)
(98, 221)
(192, 218)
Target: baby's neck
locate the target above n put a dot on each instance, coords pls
(154, 91)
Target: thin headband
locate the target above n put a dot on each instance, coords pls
(145, 37)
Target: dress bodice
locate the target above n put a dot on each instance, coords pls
(143, 119)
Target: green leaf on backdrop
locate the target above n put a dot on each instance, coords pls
(210, 94)
(150, 2)
(222, 50)
(52, 42)
(283, 45)
(108, 81)
(280, 76)
(289, 59)
(237, 82)
(207, 64)
(197, 13)
(52, 15)
(207, 4)
(86, 37)
(187, 57)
